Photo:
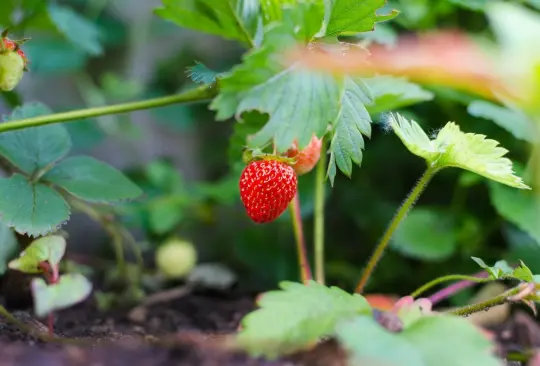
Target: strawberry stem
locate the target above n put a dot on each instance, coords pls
(454, 277)
(195, 95)
(394, 224)
(319, 216)
(303, 263)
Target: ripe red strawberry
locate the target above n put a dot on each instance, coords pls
(307, 158)
(266, 189)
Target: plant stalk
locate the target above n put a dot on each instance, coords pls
(455, 288)
(319, 216)
(455, 277)
(194, 95)
(485, 305)
(394, 224)
(303, 263)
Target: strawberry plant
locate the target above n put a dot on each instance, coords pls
(316, 80)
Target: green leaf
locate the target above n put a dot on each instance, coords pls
(355, 16)
(51, 57)
(296, 316)
(71, 289)
(477, 5)
(521, 208)
(428, 341)
(428, 234)
(78, 30)
(32, 209)
(92, 180)
(512, 120)
(8, 246)
(34, 148)
(299, 102)
(453, 148)
(502, 270)
(370, 344)
(164, 215)
(199, 73)
(232, 19)
(46, 249)
(391, 93)
(353, 121)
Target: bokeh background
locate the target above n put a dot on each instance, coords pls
(178, 154)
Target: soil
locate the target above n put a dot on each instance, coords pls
(191, 330)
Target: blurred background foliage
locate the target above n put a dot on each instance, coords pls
(88, 53)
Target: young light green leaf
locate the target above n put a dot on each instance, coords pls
(46, 249)
(428, 234)
(512, 120)
(92, 180)
(8, 246)
(428, 341)
(232, 19)
(391, 93)
(165, 214)
(502, 270)
(78, 30)
(32, 209)
(355, 16)
(296, 316)
(521, 208)
(454, 148)
(353, 121)
(34, 148)
(71, 289)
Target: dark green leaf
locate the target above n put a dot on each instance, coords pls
(34, 148)
(353, 121)
(250, 124)
(8, 246)
(391, 93)
(297, 316)
(232, 19)
(51, 57)
(71, 289)
(32, 209)
(46, 249)
(80, 31)
(428, 234)
(92, 180)
(518, 207)
(477, 5)
(355, 16)
(512, 120)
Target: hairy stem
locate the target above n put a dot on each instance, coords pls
(394, 224)
(455, 288)
(194, 95)
(456, 277)
(303, 263)
(319, 216)
(485, 305)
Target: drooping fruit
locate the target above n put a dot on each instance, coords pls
(13, 63)
(266, 189)
(176, 258)
(307, 158)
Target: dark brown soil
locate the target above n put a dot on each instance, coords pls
(191, 330)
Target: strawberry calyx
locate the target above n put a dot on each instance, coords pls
(13, 45)
(257, 154)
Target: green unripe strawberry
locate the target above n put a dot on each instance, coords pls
(11, 70)
(13, 63)
(176, 258)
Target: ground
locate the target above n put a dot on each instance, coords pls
(189, 330)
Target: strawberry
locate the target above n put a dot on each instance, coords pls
(307, 158)
(13, 63)
(266, 189)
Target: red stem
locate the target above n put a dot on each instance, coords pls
(52, 276)
(303, 263)
(455, 288)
